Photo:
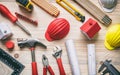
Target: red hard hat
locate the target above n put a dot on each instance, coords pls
(57, 29)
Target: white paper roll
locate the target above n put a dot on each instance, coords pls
(91, 59)
(72, 57)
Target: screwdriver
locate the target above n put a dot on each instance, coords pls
(4, 11)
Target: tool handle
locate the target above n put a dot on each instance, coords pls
(4, 10)
(61, 69)
(113, 70)
(50, 70)
(26, 19)
(44, 71)
(34, 68)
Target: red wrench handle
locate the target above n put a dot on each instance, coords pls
(61, 69)
(4, 10)
(34, 68)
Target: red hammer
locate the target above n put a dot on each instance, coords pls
(31, 43)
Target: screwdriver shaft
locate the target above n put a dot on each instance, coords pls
(22, 27)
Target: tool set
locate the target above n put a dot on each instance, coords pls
(57, 54)
(52, 10)
(25, 4)
(32, 43)
(72, 57)
(91, 59)
(96, 12)
(71, 9)
(4, 10)
(16, 66)
(46, 66)
(58, 29)
(108, 68)
(26, 19)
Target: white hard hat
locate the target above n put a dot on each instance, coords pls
(108, 5)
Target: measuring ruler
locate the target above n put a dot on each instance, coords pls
(45, 5)
(95, 11)
(11, 62)
(91, 59)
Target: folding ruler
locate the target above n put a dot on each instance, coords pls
(91, 59)
(95, 11)
(45, 5)
(11, 62)
(71, 9)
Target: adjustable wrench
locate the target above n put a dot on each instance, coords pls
(57, 54)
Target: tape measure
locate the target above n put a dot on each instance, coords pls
(26, 4)
(11, 62)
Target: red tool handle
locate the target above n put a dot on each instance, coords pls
(44, 71)
(50, 70)
(62, 71)
(34, 68)
(4, 10)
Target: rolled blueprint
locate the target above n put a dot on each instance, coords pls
(72, 57)
(91, 59)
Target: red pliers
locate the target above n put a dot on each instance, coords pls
(57, 54)
(46, 66)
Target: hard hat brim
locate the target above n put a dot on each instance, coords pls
(108, 10)
(48, 37)
(107, 45)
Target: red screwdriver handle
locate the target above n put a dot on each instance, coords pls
(4, 10)
(62, 71)
(34, 68)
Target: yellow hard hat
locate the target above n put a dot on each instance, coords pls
(112, 39)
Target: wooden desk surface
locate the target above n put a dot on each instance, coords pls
(38, 32)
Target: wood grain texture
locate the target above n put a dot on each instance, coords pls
(38, 32)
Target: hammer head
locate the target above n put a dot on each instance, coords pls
(30, 43)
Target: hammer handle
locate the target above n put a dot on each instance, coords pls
(34, 68)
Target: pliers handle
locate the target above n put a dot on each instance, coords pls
(46, 66)
(49, 69)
